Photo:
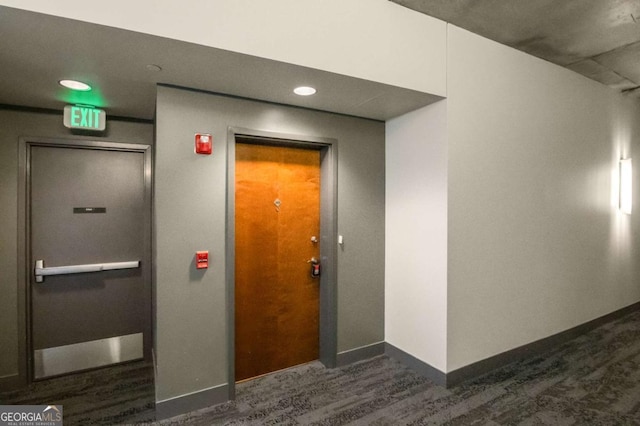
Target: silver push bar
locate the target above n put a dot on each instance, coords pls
(41, 271)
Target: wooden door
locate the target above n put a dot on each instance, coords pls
(277, 205)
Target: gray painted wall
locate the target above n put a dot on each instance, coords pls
(13, 125)
(190, 196)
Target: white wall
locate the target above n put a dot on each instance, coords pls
(371, 39)
(536, 243)
(416, 229)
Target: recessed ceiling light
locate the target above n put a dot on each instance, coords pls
(75, 85)
(304, 91)
(154, 68)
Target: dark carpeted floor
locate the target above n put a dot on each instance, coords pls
(592, 380)
(115, 395)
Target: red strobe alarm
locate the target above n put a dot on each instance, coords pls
(204, 143)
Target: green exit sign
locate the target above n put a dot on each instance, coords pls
(84, 118)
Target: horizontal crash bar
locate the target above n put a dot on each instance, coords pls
(41, 271)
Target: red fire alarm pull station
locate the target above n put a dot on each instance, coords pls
(204, 143)
(202, 259)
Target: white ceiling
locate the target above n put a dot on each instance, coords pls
(38, 50)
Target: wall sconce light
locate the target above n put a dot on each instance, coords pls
(626, 173)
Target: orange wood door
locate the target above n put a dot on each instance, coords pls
(277, 205)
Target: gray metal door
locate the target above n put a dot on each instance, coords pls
(90, 276)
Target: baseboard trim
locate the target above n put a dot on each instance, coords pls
(530, 350)
(190, 402)
(12, 382)
(419, 366)
(360, 354)
(480, 368)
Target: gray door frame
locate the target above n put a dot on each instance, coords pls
(25, 270)
(328, 232)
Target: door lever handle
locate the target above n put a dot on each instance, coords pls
(315, 267)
